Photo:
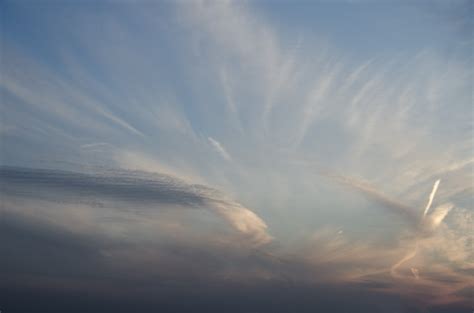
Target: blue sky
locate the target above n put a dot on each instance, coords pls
(309, 132)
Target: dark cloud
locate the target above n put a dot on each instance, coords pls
(116, 185)
(60, 272)
(207, 295)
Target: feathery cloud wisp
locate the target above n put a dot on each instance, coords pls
(219, 148)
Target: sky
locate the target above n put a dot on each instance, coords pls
(247, 156)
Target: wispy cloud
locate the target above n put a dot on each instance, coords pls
(219, 148)
(56, 98)
(372, 193)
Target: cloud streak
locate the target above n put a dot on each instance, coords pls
(432, 194)
(219, 148)
(370, 192)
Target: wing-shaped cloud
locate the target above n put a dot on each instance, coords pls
(133, 187)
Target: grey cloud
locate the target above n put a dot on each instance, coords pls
(119, 185)
(134, 187)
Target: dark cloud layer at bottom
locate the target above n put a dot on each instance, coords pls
(47, 268)
(242, 299)
(47, 273)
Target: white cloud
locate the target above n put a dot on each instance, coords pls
(219, 148)
(245, 221)
(432, 194)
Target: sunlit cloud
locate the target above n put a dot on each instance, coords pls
(432, 194)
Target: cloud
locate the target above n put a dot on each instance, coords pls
(94, 145)
(220, 149)
(415, 259)
(388, 268)
(56, 98)
(438, 215)
(78, 211)
(140, 161)
(429, 222)
(415, 272)
(377, 196)
(245, 221)
(138, 188)
(151, 78)
(432, 194)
